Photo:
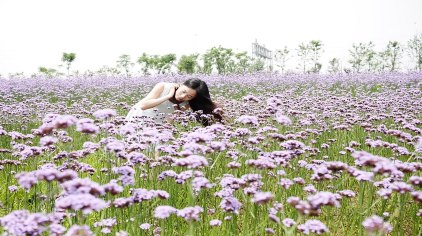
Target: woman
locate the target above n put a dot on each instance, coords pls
(164, 98)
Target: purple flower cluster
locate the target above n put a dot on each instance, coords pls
(313, 226)
(104, 113)
(127, 174)
(312, 206)
(188, 213)
(192, 161)
(262, 197)
(22, 222)
(84, 202)
(87, 126)
(375, 224)
(247, 119)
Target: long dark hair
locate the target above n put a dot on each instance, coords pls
(202, 101)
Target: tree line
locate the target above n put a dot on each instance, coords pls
(362, 58)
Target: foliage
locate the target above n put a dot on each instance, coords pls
(68, 58)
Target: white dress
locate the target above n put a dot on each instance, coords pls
(157, 113)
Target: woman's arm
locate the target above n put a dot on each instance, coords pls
(153, 99)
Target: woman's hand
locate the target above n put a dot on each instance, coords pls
(173, 90)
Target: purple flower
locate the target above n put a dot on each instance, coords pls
(84, 202)
(87, 126)
(313, 226)
(48, 141)
(162, 212)
(324, 198)
(246, 119)
(230, 204)
(192, 161)
(233, 165)
(80, 186)
(274, 218)
(141, 194)
(261, 163)
(401, 187)
(376, 224)
(250, 97)
(347, 193)
(122, 233)
(79, 230)
(26, 179)
(115, 146)
(282, 119)
(385, 192)
(91, 146)
(194, 147)
(416, 180)
(157, 231)
(288, 222)
(418, 145)
(310, 188)
(269, 231)
(13, 188)
(225, 192)
(127, 174)
(215, 222)
(57, 229)
(63, 121)
(321, 172)
(292, 144)
(262, 197)
(104, 113)
(251, 177)
(123, 202)
(22, 222)
(190, 213)
(417, 195)
(199, 137)
(127, 129)
(366, 159)
(242, 132)
(145, 226)
(299, 180)
(200, 182)
(110, 222)
(285, 183)
(360, 175)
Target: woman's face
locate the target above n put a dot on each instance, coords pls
(184, 93)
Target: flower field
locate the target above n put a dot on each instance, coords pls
(297, 155)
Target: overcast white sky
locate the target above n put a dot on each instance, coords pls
(36, 33)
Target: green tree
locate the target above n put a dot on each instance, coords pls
(163, 64)
(357, 53)
(257, 65)
(243, 62)
(207, 60)
(147, 63)
(68, 58)
(220, 58)
(304, 53)
(414, 50)
(107, 70)
(281, 57)
(371, 59)
(315, 47)
(188, 64)
(334, 66)
(124, 62)
(49, 72)
(390, 57)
